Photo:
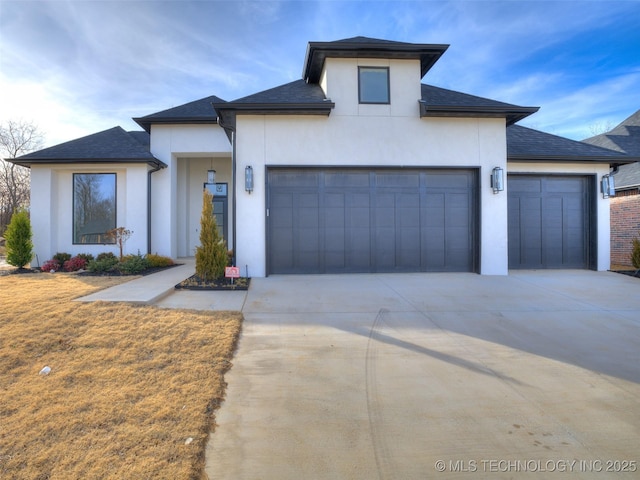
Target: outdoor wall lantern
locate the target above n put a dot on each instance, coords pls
(211, 176)
(248, 178)
(608, 186)
(497, 179)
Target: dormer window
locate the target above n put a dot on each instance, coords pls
(373, 85)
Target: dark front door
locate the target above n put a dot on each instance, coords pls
(383, 220)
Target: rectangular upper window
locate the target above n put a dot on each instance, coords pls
(94, 207)
(373, 84)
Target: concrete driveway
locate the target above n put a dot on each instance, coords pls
(415, 376)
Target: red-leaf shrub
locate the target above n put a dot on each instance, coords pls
(50, 265)
(75, 264)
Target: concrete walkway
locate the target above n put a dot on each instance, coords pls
(159, 289)
(415, 376)
(434, 376)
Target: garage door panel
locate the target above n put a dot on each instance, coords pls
(524, 184)
(348, 220)
(549, 223)
(346, 179)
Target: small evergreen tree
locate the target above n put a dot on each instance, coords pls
(18, 240)
(211, 255)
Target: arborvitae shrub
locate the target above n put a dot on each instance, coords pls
(18, 240)
(211, 254)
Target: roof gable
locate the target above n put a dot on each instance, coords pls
(365, 47)
(625, 137)
(198, 111)
(109, 146)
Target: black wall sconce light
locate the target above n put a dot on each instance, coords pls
(497, 179)
(248, 178)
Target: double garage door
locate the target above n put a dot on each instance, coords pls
(335, 220)
(550, 222)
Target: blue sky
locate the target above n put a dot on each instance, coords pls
(79, 67)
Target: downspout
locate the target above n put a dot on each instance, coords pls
(233, 196)
(155, 169)
(232, 129)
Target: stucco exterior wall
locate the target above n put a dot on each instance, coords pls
(602, 204)
(383, 140)
(52, 208)
(173, 195)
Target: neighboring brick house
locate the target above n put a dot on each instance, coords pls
(625, 206)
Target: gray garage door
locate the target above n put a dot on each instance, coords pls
(353, 220)
(549, 221)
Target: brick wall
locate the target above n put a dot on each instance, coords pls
(625, 225)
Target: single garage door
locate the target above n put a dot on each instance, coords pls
(356, 220)
(549, 221)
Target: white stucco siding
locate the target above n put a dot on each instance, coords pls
(192, 173)
(43, 208)
(370, 141)
(602, 204)
(171, 211)
(340, 80)
(52, 208)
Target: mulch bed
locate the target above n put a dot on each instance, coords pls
(18, 271)
(86, 273)
(630, 273)
(117, 273)
(196, 283)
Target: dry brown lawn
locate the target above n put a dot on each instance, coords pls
(129, 385)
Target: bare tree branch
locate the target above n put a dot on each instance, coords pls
(17, 137)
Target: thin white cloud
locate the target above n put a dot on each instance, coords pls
(81, 66)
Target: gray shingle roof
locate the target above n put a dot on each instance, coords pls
(298, 97)
(526, 144)
(438, 102)
(624, 138)
(109, 146)
(297, 92)
(198, 111)
(365, 47)
(628, 177)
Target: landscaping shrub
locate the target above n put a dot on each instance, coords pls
(87, 256)
(635, 253)
(18, 240)
(74, 264)
(133, 264)
(106, 256)
(103, 263)
(158, 261)
(62, 257)
(50, 265)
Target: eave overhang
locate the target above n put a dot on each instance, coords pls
(608, 159)
(146, 122)
(153, 162)
(228, 111)
(512, 114)
(317, 52)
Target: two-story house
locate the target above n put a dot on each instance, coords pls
(356, 167)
